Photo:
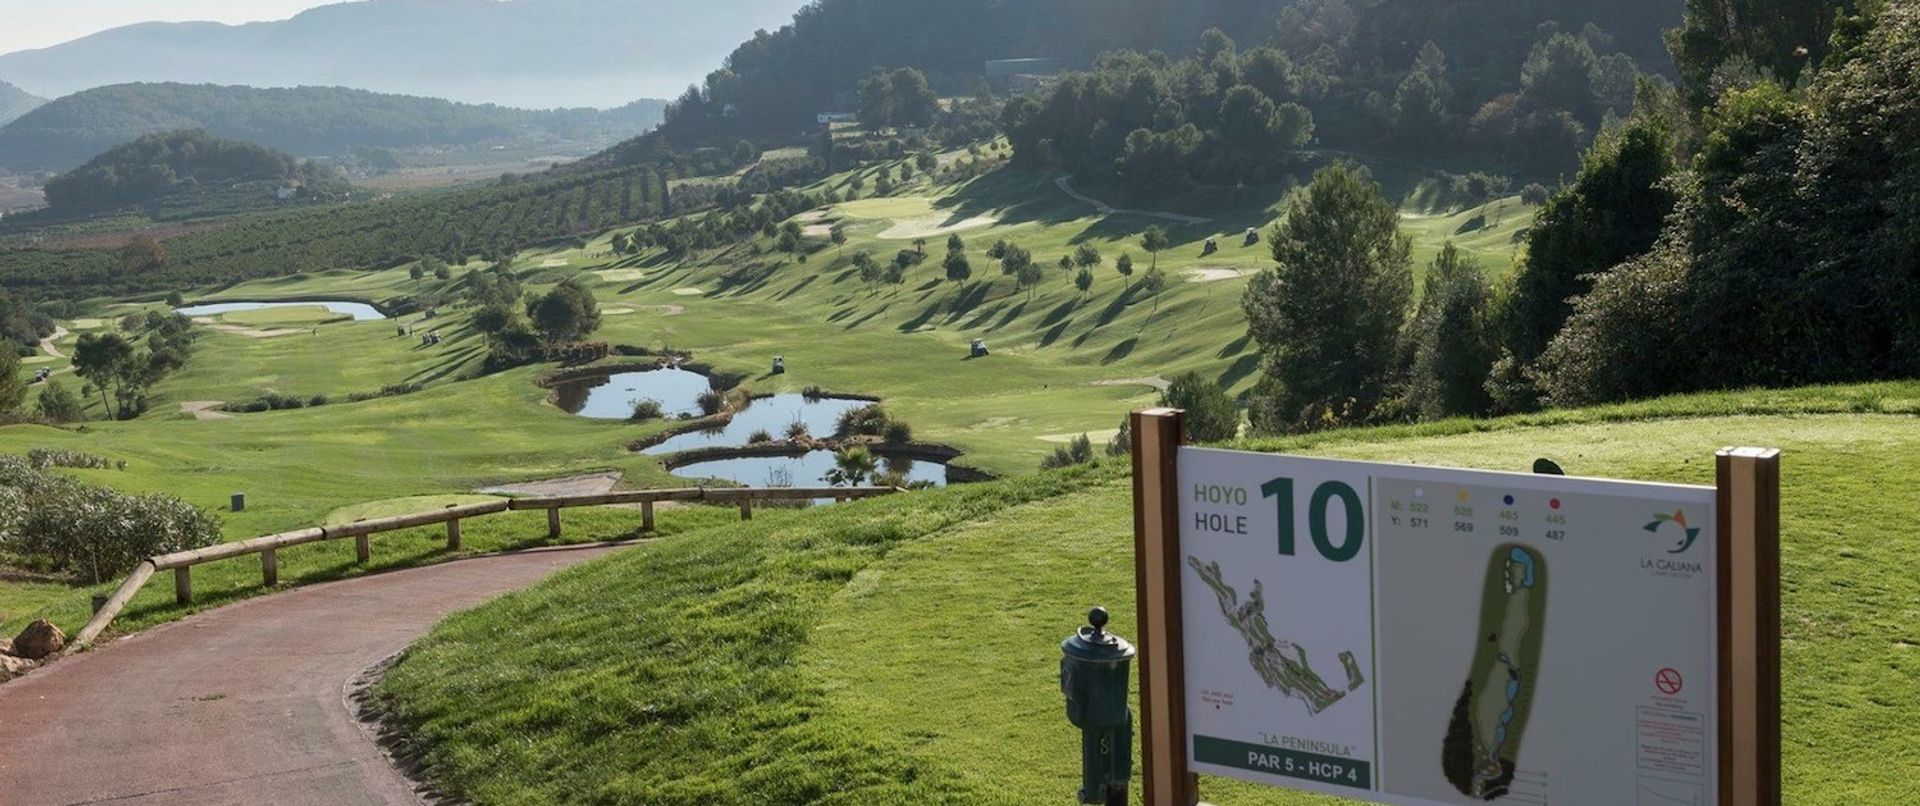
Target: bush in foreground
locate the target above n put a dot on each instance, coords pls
(89, 531)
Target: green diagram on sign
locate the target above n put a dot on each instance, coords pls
(1282, 664)
(1489, 720)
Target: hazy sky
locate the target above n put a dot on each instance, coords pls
(28, 24)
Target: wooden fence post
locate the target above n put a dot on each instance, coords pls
(363, 548)
(453, 535)
(646, 516)
(1748, 531)
(746, 509)
(553, 523)
(183, 585)
(269, 568)
(1157, 437)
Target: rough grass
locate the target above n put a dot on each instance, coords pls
(668, 675)
(911, 645)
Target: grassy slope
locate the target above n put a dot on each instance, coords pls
(912, 644)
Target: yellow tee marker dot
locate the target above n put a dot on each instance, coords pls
(1464, 495)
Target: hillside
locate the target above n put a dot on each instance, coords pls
(528, 53)
(306, 121)
(780, 80)
(15, 102)
(157, 166)
(787, 660)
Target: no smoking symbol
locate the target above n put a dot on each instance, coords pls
(1668, 681)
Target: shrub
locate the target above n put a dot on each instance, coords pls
(1079, 451)
(43, 458)
(1211, 413)
(646, 409)
(59, 405)
(797, 429)
(711, 401)
(1534, 193)
(317, 401)
(95, 531)
(869, 421)
(898, 433)
(759, 437)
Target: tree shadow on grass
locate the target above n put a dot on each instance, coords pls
(1061, 311)
(969, 298)
(1240, 370)
(1235, 347)
(1053, 334)
(1011, 314)
(1120, 351)
(797, 288)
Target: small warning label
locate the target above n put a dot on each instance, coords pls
(1672, 742)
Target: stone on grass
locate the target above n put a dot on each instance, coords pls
(39, 640)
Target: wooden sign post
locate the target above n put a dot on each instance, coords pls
(1424, 550)
(1157, 437)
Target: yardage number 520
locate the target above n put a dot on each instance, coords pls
(1325, 497)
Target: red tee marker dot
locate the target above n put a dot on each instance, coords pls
(1555, 503)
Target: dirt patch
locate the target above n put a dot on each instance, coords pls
(204, 410)
(1156, 383)
(1214, 275)
(593, 484)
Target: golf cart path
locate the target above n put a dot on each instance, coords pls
(47, 344)
(1065, 185)
(242, 704)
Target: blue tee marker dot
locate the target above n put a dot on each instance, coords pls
(1509, 500)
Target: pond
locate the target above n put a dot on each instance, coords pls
(809, 470)
(770, 414)
(611, 397)
(360, 311)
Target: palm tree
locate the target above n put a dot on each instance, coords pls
(852, 467)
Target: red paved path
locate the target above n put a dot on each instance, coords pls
(244, 704)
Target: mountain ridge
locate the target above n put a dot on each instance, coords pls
(571, 53)
(307, 121)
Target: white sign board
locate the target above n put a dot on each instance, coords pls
(1415, 635)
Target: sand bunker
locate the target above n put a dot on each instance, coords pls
(205, 409)
(1156, 382)
(592, 484)
(1097, 437)
(1214, 275)
(907, 229)
(689, 292)
(554, 263)
(817, 230)
(621, 275)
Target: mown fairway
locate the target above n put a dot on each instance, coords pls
(906, 651)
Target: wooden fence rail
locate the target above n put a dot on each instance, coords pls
(181, 563)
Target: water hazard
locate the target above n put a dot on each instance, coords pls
(611, 397)
(808, 470)
(774, 415)
(360, 311)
